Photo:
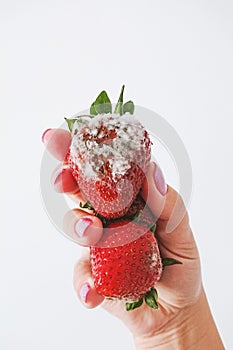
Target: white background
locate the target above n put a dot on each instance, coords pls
(175, 57)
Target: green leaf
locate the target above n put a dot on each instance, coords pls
(105, 221)
(152, 227)
(101, 105)
(87, 205)
(119, 105)
(151, 298)
(92, 109)
(136, 217)
(134, 305)
(128, 107)
(170, 261)
(70, 123)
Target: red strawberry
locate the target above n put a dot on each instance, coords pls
(109, 156)
(126, 263)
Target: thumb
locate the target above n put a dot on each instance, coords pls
(165, 203)
(174, 236)
(173, 230)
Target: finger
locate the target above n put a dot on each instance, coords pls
(172, 216)
(57, 142)
(63, 180)
(85, 229)
(83, 283)
(173, 232)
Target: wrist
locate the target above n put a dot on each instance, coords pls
(192, 327)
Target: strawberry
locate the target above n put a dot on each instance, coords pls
(126, 262)
(109, 155)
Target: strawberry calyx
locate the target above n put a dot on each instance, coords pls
(103, 105)
(150, 298)
(86, 205)
(89, 206)
(134, 305)
(71, 121)
(119, 105)
(152, 227)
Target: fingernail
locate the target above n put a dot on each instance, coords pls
(46, 137)
(160, 181)
(44, 133)
(81, 226)
(84, 292)
(56, 175)
(56, 179)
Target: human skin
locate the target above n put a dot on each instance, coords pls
(183, 320)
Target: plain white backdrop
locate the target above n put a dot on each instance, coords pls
(175, 58)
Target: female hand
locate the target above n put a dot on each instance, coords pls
(183, 320)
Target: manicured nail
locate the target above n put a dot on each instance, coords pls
(56, 176)
(160, 181)
(81, 226)
(47, 135)
(84, 292)
(44, 135)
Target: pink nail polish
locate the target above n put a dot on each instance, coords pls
(56, 176)
(81, 226)
(84, 292)
(160, 181)
(44, 135)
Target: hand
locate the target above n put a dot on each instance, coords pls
(183, 310)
